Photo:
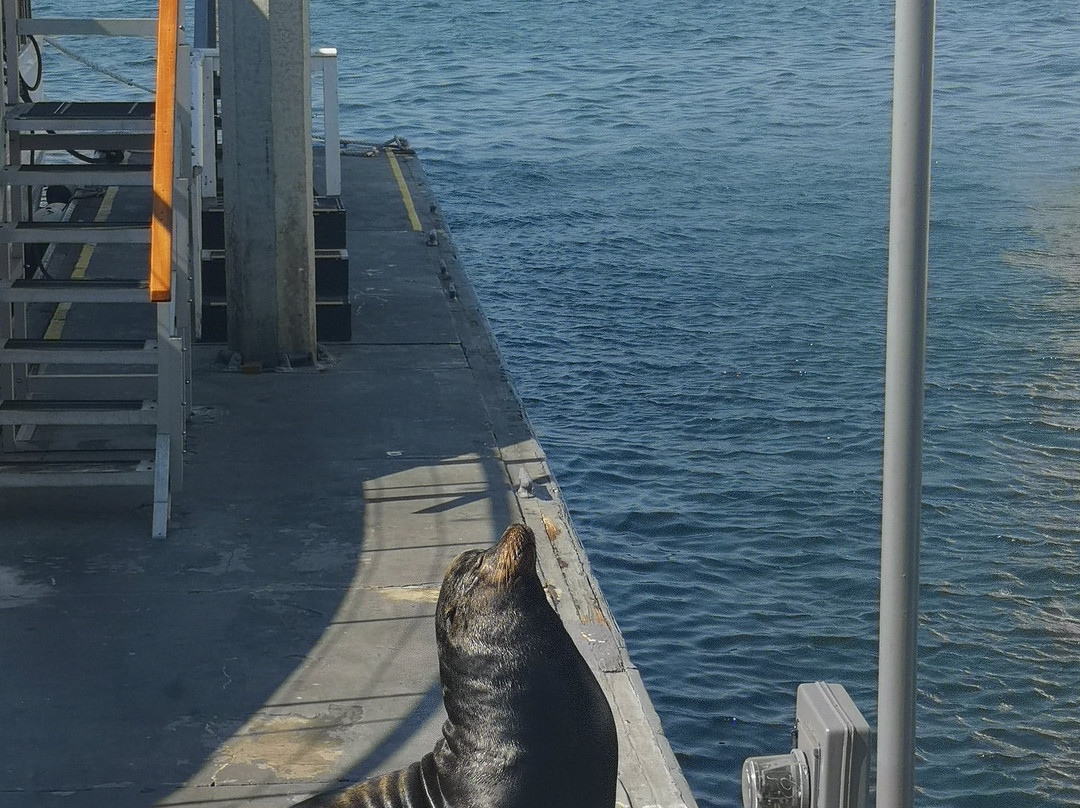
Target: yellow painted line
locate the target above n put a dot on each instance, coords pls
(58, 321)
(406, 197)
(106, 204)
(59, 318)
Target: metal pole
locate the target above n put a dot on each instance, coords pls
(909, 223)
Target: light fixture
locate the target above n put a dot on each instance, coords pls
(830, 765)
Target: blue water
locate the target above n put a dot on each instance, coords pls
(675, 216)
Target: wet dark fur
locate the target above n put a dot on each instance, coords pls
(527, 723)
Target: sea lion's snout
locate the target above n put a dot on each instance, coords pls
(517, 544)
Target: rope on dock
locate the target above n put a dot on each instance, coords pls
(358, 148)
(97, 66)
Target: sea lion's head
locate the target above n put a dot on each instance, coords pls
(483, 592)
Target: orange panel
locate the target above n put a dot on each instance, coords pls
(164, 104)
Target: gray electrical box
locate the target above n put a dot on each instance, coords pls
(830, 765)
(836, 739)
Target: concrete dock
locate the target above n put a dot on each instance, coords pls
(281, 639)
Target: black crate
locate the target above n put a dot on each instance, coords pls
(331, 273)
(333, 320)
(329, 224)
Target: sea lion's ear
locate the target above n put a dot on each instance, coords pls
(449, 613)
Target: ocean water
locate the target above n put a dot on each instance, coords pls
(675, 217)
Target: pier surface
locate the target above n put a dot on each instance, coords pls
(280, 641)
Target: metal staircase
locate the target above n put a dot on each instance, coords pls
(94, 377)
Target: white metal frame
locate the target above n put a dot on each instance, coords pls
(174, 320)
(173, 404)
(205, 65)
(325, 59)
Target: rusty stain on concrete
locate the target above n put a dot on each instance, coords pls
(292, 747)
(417, 593)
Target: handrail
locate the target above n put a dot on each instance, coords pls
(164, 118)
(57, 26)
(206, 63)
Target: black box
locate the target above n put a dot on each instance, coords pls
(329, 224)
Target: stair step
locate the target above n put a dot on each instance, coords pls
(82, 116)
(77, 174)
(79, 351)
(88, 142)
(76, 233)
(68, 474)
(70, 413)
(87, 290)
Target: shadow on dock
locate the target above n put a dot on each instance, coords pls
(282, 637)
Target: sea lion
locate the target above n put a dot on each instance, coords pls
(527, 723)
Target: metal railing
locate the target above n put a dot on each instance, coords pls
(205, 64)
(170, 258)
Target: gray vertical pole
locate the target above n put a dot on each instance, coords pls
(905, 335)
(266, 172)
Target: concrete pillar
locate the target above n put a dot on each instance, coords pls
(266, 171)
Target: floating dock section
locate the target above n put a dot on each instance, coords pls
(280, 640)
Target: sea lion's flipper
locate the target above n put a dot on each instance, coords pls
(415, 786)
